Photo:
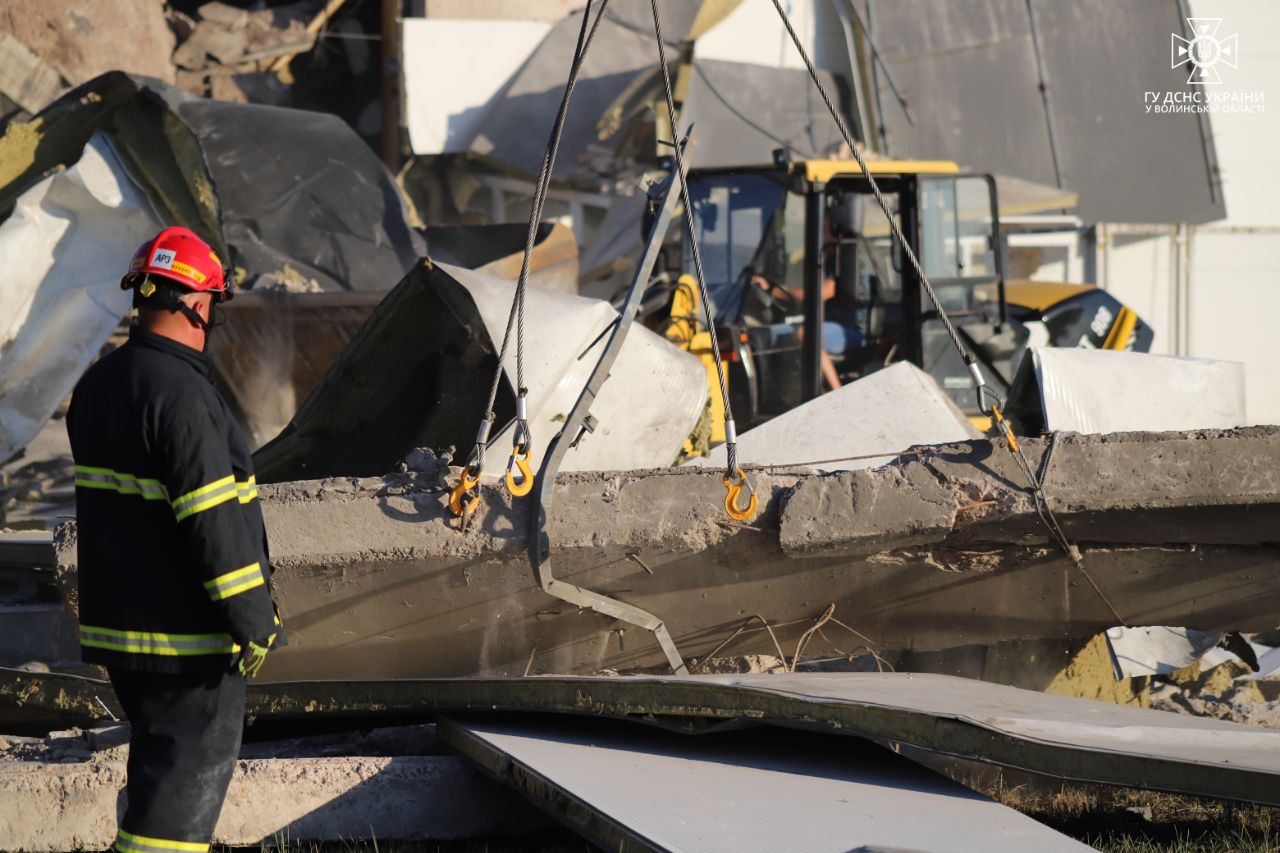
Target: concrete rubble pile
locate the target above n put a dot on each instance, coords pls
(231, 53)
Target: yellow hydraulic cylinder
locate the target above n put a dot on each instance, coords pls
(687, 330)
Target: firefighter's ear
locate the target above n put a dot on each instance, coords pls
(199, 303)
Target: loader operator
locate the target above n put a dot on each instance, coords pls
(175, 598)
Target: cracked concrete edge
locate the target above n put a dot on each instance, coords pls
(74, 806)
(892, 508)
(1124, 488)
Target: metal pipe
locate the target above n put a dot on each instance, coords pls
(881, 130)
(1184, 235)
(878, 60)
(1175, 293)
(811, 348)
(859, 104)
(1044, 92)
(391, 76)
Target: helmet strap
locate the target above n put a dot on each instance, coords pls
(167, 295)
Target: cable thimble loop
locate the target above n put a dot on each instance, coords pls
(996, 404)
(1005, 429)
(979, 382)
(521, 452)
(465, 497)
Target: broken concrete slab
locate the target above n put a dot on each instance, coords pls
(1176, 528)
(1131, 488)
(884, 412)
(26, 549)
(25, 78)
(39, 631)
(74, 805)
(895, 508)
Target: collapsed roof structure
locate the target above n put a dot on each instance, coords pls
(930, 545)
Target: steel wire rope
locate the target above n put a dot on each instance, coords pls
(1037, 487)
(731, 445)
(516, 316)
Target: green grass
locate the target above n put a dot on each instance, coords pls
(1102, 818)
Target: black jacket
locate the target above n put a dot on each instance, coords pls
(173, 566)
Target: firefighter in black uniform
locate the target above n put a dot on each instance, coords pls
(175, 595)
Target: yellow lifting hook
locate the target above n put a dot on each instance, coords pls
(731, 506)
(1004, 428)
(463, 490)
(520, 456)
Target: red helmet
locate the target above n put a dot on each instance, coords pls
(180, 256)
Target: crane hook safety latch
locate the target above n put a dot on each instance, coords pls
(733, 498)
(521, 456)
(1004, 427)
(462, 500)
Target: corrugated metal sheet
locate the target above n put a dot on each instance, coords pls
(968, 70)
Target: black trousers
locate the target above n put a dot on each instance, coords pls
(184, 741)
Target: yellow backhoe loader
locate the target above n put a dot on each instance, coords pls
(797, 246)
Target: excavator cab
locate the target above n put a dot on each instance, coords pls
(811, 291)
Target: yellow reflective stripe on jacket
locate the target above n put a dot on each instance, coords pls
(233, 583)
(206, 497)
(130, 843)
(125, 484)
(155, 643)
(247, 490)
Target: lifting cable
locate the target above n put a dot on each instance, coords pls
(464, 499)
(970, 360)
(735, 481)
